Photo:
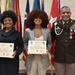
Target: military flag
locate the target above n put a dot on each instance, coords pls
(11, 5)
(16, 9)
(42, 5)
(27, 10)
(54, 15)
(36, 5)
(0, 14)
(7, 5)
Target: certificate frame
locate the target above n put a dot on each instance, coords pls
(6, 50)
(36, 47)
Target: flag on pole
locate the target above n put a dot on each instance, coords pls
(0, 14)
(11, 5)
(18, 25)
(36, 5)
(54, 15)
(27, 10)
(0, 8)
(7, 5)
(26, 14)
(42, 5)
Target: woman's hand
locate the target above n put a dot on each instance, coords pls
(13, 55)
(45, 54)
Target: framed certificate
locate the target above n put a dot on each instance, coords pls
(37, 47)
(6, 49)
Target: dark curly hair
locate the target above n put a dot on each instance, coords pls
(34, 14)
(9, 14)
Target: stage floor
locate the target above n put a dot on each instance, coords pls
(26, 74)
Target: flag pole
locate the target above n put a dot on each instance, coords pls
(27, 11)
(54, 16)
(51, 69)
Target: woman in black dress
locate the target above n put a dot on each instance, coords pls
(10, 66)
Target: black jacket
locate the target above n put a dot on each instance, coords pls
(65, 41)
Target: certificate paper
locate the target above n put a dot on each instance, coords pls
(37, 47)
(6, 49)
